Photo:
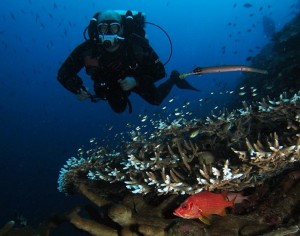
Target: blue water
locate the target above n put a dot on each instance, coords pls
(42, 124)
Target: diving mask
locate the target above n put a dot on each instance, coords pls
(108, 34)
(109, 27)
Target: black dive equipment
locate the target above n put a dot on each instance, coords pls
(134, 23)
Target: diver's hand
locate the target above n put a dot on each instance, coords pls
(83, 94)
(128, 83)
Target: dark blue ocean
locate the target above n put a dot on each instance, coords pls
(42, 124)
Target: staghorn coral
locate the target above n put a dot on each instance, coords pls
(230, 151)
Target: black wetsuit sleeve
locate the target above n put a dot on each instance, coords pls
(151, 68)
(67, 74)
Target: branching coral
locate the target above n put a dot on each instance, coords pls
(229, 151)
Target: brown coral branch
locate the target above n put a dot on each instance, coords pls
(98, 200)
(7, 228)
(90, 226)
(174, 176)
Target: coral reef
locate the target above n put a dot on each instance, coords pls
(244, 150)
(132, 214)
(231, 151)
(273, 213)
(136, 214)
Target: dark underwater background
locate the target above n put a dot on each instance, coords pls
(42, 124)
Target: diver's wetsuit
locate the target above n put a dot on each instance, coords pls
(134, 58)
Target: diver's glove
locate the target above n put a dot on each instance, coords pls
(83, 94)
(128, 83)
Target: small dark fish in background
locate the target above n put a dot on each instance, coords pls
(249, 58)
(268, 26)
(247, 5)
(12, 16)
(235, 5)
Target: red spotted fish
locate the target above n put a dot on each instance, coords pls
(204, 204)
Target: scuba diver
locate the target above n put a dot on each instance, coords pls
(119, 60)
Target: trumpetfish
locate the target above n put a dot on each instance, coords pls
(221, 69)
